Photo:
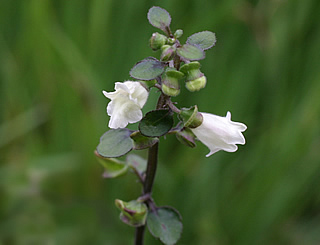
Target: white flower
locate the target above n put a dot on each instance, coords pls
(126, 103)
(220, 133)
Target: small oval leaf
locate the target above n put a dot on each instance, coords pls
(112, 167)
(204, 39)
(165, 224)
(115, 143)
(147, 69)
(191, 52)
(159, 17)
(156, 123)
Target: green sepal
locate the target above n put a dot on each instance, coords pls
(190, 52)
(133, 213)
(147, 69)
(190, 117)
(165, 223)
(204, 39)
(159, 18)
(186, 137)
(178, 33)
(191, 70)
(112, 167)
(137, 162)
(141, 142)
(115, 143)
(156, 123)
(170, 82)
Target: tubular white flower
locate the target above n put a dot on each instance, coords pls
(126, 103)
(220, 133)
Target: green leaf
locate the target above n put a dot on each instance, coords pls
(204, 39)
(133, 213)
(113, 167)
(115, 143)
(165, 223)
(156, 123)
(191, 52)
(142, 142)
(137, 162)
(147, 69)
(160, 18)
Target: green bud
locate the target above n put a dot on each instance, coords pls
(169, 91)
(170, 82)
(197, 84)
(191, 70)
(157, 40)
(167, 52)
(178, 33)
(171, 40)
(133, 213)
(190, 117)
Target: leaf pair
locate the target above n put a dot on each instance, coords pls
(118, 142)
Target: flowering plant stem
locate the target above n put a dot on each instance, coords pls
(148, 183)
(150, 174)
(178, 63)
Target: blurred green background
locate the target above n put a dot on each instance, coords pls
(57, 56)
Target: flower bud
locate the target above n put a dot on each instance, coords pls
(169, 91)
(167, 52)
(178, 33)
(171, 40)
(190, 117)
(157, 40)
(133, 213)
(195, 79)
(191, 70)
(170, 82)
(197, 84)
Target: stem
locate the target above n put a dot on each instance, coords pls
(173, 107)
(139, 235)
(151, 168)
(150, 173)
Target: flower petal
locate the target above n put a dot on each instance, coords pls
(126, 103)
(220, 133)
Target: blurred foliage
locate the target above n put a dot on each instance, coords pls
(57, 56)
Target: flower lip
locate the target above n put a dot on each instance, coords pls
(126, 103)
(220, 133)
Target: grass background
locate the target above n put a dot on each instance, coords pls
(57, 56)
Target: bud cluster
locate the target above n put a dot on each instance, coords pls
(180, 68)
